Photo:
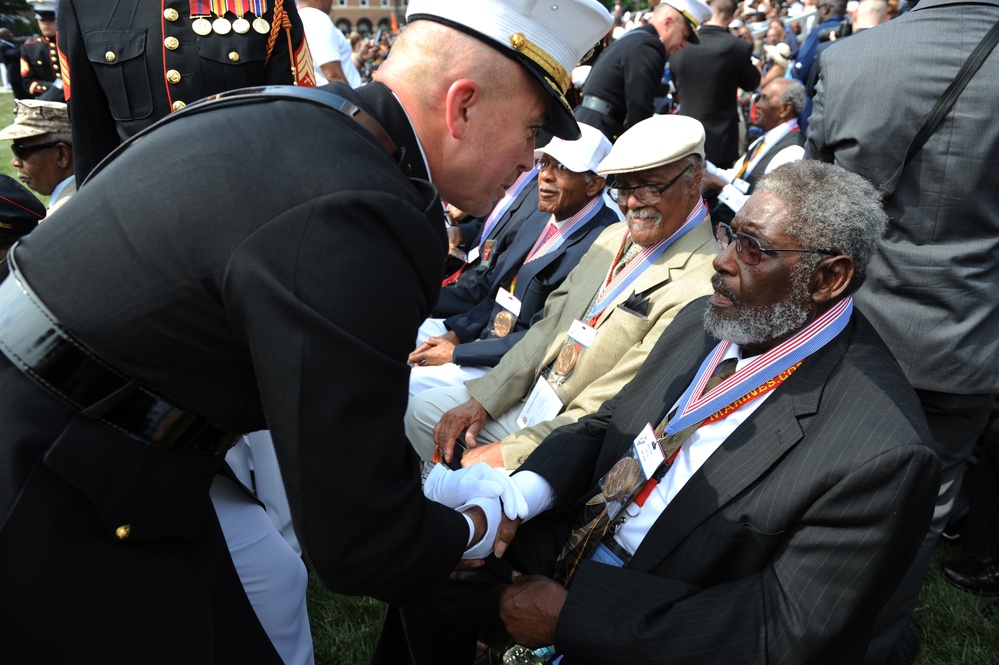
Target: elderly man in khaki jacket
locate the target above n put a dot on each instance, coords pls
(600, 324)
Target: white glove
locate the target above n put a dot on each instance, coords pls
(493, 510)
(456, 488)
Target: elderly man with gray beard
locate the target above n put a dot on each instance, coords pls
(600, 324)
(756, 492)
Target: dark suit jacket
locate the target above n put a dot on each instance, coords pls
(473, 285)
(784, 544)
(245, 309)
(931, 287)
(109, 101)
(535, 281)
(707, 77)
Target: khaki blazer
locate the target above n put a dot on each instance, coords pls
(624, 339)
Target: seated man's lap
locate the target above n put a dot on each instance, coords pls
(442, 376)
(425, 409)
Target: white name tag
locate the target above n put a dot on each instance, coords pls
(541, 405)
(472, 255)
(508, 301)
(648, 451)
(741, 185)
(732, 197)
(582, 333)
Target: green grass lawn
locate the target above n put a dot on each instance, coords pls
(956, 628)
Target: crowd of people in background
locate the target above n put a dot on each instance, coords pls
(691, 197)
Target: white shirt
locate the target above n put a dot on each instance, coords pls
(327, 44)
(693, 453)
(792, 153)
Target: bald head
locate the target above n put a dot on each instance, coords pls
(870, 13)
(475, 110)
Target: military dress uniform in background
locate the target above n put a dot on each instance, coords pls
(40, 68)
(128, 64)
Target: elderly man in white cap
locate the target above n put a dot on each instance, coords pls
(42, 144)
(599, 325)
(569, 216)
(620, 89)
(151, 322)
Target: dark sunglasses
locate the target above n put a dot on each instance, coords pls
(749, 249)
(22, 151)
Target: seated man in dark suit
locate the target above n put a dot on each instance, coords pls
(570, 215)
(777, 110)
(491, 235)
(741, 500)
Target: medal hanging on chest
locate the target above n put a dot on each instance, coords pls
(199, 17)
(240, 25)
(260, 24)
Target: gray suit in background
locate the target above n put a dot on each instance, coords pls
(930, 292)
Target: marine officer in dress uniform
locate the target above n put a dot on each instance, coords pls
(127, 64)
(40, 68)
(153, 319)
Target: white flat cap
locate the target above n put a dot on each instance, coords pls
(694, 12)
(582, 155)
(655, 141)
(547, 37)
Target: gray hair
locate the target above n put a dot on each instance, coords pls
(826, 206)
(794, 93)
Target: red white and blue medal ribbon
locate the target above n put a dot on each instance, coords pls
(543, 247)
(817, 334)
(504, 203)
(612, 288)
(779, 133)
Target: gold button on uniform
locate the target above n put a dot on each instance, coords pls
(171, 14)
(123, 532)
(178, 105)
(109, 56)
(172, 43)
(233, 56)
(173, 76)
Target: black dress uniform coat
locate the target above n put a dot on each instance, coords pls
(707, 77)
(628, 74)
(133, 62)
(40, 68)
(287, 299)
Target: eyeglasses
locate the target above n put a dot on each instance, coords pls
(543, 164)
(647, 195)
(749, 249)
(22, 151)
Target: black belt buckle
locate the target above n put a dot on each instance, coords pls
(599, 105)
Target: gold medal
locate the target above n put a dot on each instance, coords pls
(221, 26)
(201, 26)
(241, 25)
(622, 480)
(567, 358)
(503, 323)
(261, 25)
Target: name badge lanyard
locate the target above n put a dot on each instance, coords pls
(750, 163)
(614, 285)
(546, 244)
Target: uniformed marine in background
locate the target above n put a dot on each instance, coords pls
(129, 63)
(40, 67)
